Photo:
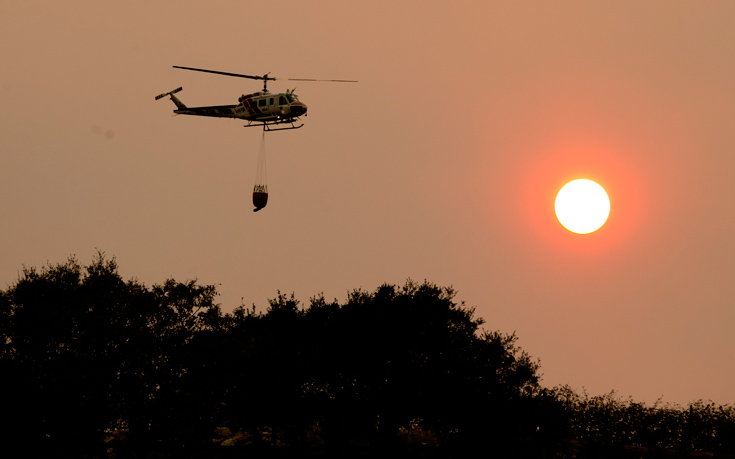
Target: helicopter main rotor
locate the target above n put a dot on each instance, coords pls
(265, 77)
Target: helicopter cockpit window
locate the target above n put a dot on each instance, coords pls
(261, 103)
(281, 100)
(292, 97)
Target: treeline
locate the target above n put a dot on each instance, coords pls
(96, 366)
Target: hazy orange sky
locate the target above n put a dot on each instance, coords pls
(442, 164)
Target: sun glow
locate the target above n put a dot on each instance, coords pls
(582, 206)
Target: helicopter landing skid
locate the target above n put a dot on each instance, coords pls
(267, 126)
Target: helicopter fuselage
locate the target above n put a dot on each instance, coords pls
(262, 108)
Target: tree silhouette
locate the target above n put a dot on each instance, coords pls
(91, 363)
(89, 353)
(382, 363)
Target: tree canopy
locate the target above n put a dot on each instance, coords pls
(95, 365)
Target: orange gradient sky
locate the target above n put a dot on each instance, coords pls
(442, 164)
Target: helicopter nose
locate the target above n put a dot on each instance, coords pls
(298, 108)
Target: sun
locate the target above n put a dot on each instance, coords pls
(582, 206)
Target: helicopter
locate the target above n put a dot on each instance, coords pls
(274, 112)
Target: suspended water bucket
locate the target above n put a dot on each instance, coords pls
(260, 192)
(260, 197)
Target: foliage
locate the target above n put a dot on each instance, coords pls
(366, 370)
(89, 353)
(94, 365)
(617, 424)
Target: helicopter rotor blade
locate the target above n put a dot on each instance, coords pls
(312, 79)
(252, 77)
(257, 77)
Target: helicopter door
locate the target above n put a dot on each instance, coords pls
(282, 104)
